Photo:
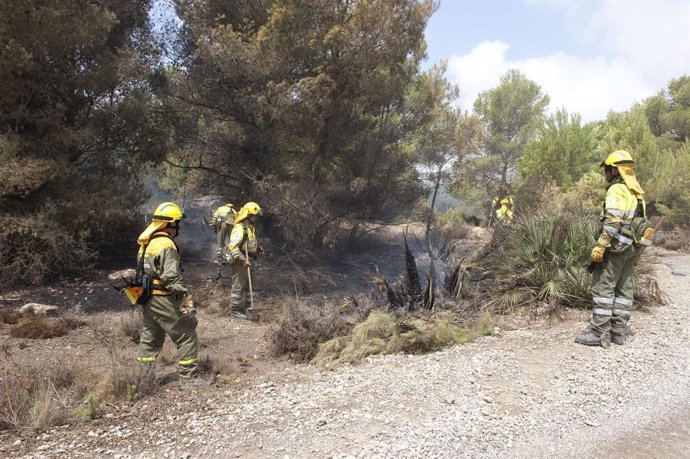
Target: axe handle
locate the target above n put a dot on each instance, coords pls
(249, 278)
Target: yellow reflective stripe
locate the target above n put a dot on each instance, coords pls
(187, 361)
(146, 359)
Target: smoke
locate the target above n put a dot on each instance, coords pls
(196, 239)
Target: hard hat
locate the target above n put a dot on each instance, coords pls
(229, 205)
(617, 158)
(168, 212)
(252, 208)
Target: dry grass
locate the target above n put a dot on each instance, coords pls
(130, 326)
(303, 326)
(34, 327)
(34, 397)
(385, 333)
(678, 239)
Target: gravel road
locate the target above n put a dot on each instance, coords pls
(530, 392)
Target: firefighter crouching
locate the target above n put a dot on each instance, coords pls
(242, 249)
(159, 259)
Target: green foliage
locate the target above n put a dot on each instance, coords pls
(511, 113)
(77, 121)
(561, 153)
(543, 258)
(668, 113)
(89, 409)
(315, 95)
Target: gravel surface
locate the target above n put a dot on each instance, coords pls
(529, 392)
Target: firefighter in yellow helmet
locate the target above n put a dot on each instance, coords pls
(503, 205)
(158, 265)
(222, 219)
(614, 254)
(242, 249)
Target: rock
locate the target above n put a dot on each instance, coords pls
(38, 309)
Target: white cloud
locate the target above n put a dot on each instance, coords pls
(590, 86)
(636, 48)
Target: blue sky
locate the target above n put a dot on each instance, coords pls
(590, 56)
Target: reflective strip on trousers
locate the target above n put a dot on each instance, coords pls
(236, 298)
(187, 361)
(621, 312)
(602, 300)
(146, 359)
(602, 312)
(623, 301)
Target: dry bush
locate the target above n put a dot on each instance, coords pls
(303, 325)
(130, 326)
(386, 333)
(35, 327)
(10, 317)
(678, 239)
(33, 249)
(34, 397)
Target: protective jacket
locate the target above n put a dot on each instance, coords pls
(621, 206)
(162, 262)
(504, 213)
(223, 214)
(242, 239)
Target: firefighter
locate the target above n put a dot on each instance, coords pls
(221, 220)
(504, 208)
(159, 259)
(241, 251)
(614, 254)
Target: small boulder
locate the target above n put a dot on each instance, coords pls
(38, 309)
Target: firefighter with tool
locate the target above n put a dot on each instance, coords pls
(504, 208)
(625, 231)
(242, 249)
(166, 302)
(222, 219)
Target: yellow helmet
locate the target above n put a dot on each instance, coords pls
(247, 210)
(168, 212)
(618, 158)
(252, 208)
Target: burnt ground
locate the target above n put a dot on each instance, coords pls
(240, 350)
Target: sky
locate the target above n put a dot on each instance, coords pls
(589, 56)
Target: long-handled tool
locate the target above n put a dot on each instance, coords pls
(249, 278)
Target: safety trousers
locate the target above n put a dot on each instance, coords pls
(612, 292)
(221, 236)
(159, 315)
(239, 293)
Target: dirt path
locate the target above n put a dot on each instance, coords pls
(527, 392)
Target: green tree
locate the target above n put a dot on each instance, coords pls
(77, 120)
(561, 152)
(668, 112)
(511, 114)
(305, 108)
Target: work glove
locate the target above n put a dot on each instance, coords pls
(647, 236)
(187, 304)
(227, 258)
(598, 251)
(259, 249)
(597, 255)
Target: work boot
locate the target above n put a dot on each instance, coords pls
(239, 315)
(593, 338)
(618, 338)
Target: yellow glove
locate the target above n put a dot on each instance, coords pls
(597, 255)
(647, 236)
